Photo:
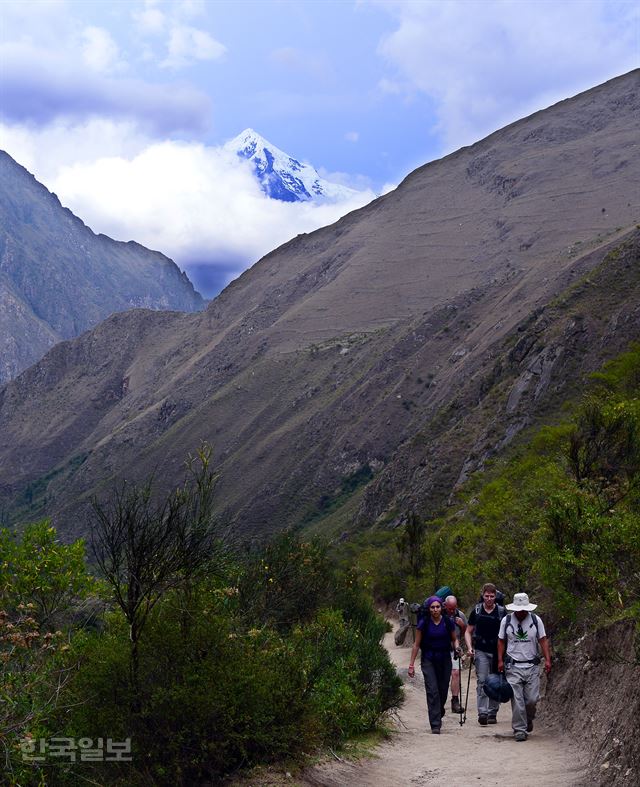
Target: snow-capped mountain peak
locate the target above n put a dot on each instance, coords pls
(283, 177)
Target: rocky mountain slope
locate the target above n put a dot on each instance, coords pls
(603, 721)
(57, 278)
(369, 366)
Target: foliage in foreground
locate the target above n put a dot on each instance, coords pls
(560, 518)
(42, 582)
(254, 658)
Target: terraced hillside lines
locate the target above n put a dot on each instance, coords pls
(522, 379)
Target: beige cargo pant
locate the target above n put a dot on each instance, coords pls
(524, 679)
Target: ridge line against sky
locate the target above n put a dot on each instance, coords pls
(123, 108)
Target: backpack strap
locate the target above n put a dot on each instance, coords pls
(535, 620)
(501, 611)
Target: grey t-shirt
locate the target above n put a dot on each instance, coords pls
(521, 636)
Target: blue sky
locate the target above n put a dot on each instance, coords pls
(121, 108)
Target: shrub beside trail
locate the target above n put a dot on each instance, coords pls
(271, 657)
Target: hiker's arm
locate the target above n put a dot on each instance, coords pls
(461, 624)
(455, 642)
(546, 652)
(501, 647)
(468, 635)
(414, 652)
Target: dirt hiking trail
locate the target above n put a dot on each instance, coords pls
(459, 756)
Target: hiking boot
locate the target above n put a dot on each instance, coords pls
(520, 736)
(456, 707)
(483, 720)
(529, 725)
(435, 730)
(492, 720)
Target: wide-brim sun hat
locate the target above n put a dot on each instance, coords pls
(521, 603)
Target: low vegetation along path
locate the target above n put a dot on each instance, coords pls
(460, 756)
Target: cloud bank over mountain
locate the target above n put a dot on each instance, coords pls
(93, 93)
(200, 205)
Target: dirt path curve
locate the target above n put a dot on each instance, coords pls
(459, 756)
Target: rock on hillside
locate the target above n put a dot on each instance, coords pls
(593, 694)
(57, 278)
(368, 366)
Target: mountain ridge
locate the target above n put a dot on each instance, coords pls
(335, 352)
(59, 278)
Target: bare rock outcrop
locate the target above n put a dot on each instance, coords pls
(593, 694)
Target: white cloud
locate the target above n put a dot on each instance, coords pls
(487, 64)
(190, 8)
(39, 85)
(187, 44)
(47, 150)
(99, 50)
(192, 202)
(150, 20)
(46, 22)
(352, 136)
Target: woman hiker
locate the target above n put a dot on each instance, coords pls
(434, 635)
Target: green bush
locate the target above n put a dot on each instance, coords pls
(238, 685)
(38, 570)
(559, 517)
(41, 580)
(285, 582)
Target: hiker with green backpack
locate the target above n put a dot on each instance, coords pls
(521, 632)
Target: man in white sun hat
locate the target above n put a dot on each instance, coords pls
(521, 632)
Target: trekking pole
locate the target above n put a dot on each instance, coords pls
(461, 709)
(463, 718)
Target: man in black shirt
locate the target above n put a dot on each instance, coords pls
(481, 637)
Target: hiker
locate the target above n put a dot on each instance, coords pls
(435, 633)
(404, 624)
(520, 634)
(460, 621)
(481, 637)
(402, 610)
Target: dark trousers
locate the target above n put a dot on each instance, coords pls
(436, 683)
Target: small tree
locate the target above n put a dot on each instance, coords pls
(411, 543)
(145, 548)
(603, 452)
(436, 553)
